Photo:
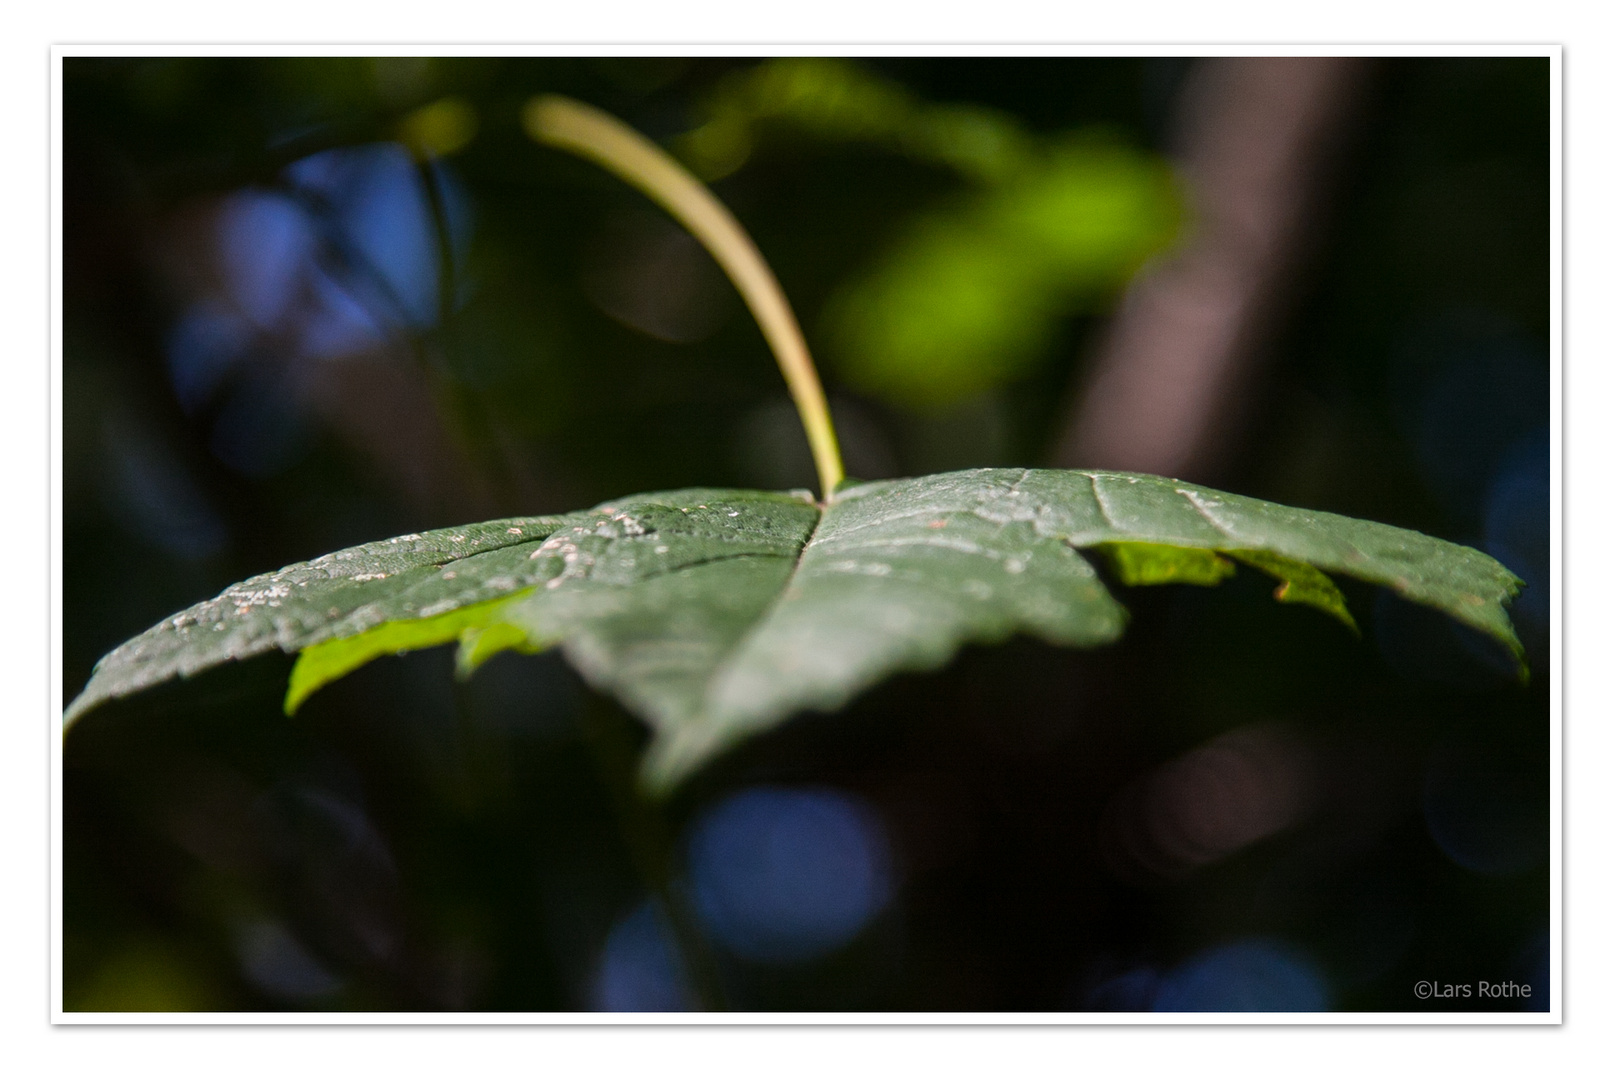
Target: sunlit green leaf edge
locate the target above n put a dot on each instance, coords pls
(1300, 583)
(478, 626)
(1164, 564)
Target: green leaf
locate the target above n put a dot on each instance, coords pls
(1302, 583)
(717, 614)
(1162, 564)
(968, 295)
(480, 625)
(336, 596)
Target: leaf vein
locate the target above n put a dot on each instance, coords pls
(1102, 504)
(1203, 512)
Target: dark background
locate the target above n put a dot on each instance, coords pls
(269, 354)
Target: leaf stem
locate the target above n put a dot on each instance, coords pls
(592, 134)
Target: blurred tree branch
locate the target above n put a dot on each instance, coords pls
(1256, 139)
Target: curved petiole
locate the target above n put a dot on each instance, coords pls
(593, 134)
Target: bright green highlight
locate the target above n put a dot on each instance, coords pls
(973, 294)
(1166, 564)
(1162, 564)
(331, 660)
(480, 643)
(1302, 583)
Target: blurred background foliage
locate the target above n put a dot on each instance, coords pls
(315, 301)
(964, 298)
